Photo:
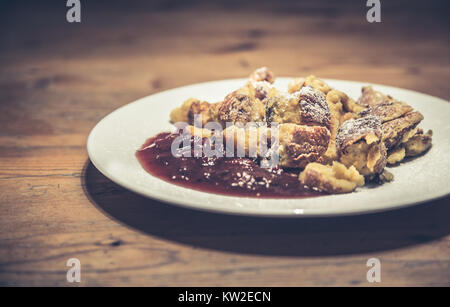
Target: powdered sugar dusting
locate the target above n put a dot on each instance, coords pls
(262, 88)
(353, 130)
(289, 96)
(314, 106)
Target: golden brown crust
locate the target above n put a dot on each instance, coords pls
(240, 108)
(306, 107)
(388, 110)
(199, 108)
(394, 131)
(359, 144)
(300, 145)
(354, 130)
(314, 106)
(418, 143)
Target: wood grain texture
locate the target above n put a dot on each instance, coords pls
(57, 80)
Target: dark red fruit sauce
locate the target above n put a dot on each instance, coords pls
(220, 175)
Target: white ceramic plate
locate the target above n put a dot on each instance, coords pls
(114, 140)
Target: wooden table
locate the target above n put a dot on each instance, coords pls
(57, 80)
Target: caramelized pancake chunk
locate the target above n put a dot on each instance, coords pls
(388, 110)
(359, 143)
(335, 178)
(300, 145)
(306, 107)
(240, 108)
(400, 129)
(418, 143)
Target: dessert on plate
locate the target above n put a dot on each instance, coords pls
(309, 139)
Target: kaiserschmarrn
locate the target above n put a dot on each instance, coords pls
(334, 143)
